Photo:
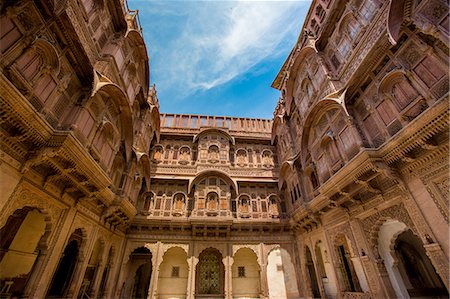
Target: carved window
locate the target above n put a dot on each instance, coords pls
(179, 202)
(212, 200)
(241, 271)
(213, 152)
(157, 153)
(267, 159)
(185, 155)
(368, 9)
(244, 205)
(263, 206)
(29, 64)
(175, 271)
(241, 157)
(9, 33)
(403, 93)
(344, 48)
(429, 71)
(254, 206)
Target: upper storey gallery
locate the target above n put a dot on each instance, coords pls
(361, 71)
(75, 94)
(217, 141)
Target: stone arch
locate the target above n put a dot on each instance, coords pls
(136, 37)
(277, 122)
(334, 101)
(48, 54)
(306, 51)
(173, 272)
(245, 272)
(214, 130)
(210, 273)
(23, 239)
(206, 173)
(103, 85)
(23, 198)
(312, 272)
(144, 166)
(373, 223)
(70, 263)
(345, 251)
(285, 169)
(137, 273)
(281, 276)
(390, 235)
(91, 270)
(395, 19)
(155, 121)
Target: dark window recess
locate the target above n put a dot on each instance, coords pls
(381, 65)
(400, 43)
(241, 271)
(175, 271)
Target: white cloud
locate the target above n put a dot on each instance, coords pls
(222, 40)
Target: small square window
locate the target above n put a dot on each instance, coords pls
(280, 268)
(241, 271)
(175, 271)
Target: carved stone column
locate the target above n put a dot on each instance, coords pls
(97, 279)
(370, 270)
(156, 262)
(264, 292)
(439, 260)
(385, 279)
(35, 273)
(228, 261)
(192, 263)
(50, 261)
(77, 276)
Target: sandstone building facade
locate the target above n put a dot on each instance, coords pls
(343, 194)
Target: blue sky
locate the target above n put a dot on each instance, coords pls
(218, 57)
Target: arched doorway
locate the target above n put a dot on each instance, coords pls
(210, 274)
(416, 268)
(312, 273)
(281, 278)
(139, 270)
(20, 244)
(409, 268)
(105, 275)
(246, 275)
(63, 274)
(173, 274)
(346, 270)
(90, 273)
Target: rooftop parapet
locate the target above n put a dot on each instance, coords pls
(192, 122)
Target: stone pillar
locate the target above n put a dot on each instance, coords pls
(192, 263)
(38, 288)
(35, 272)
(264, 291)
(439, 260)
(77, 277)
(97, 279)
(228, 262)
(386, 283)
(369, 267)
(156, 262)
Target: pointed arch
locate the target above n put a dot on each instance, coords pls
(216, 130)
(136, 37)
(217, 173)
(119, 98)
(332, 101)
